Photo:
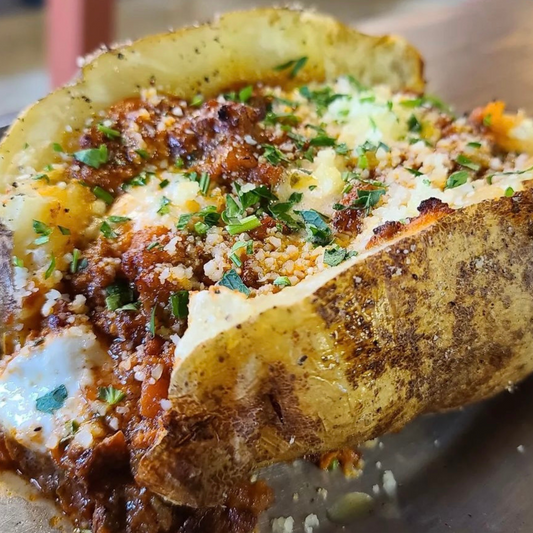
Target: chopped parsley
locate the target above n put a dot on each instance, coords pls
(17, 262)
(164, 206)
(204, 182)
(197, 101)
(63, 230)
(119, 294)
(467, 163)
(57, 147)
(281, 118)
(104, 195)
(118, 219)
(456, 179)
(110, 395)
(245, 94)
(509, 192)
(43, 177)
(110, 133)
(413, 124)
(51, 268)
(366, 199)
(233, 281)
(487, 120)
(318, 232)
(43, 231)
(138, 181)
(107, 231)
(274, 155)
(295, 65)
(245, 224)
(322, 98)
(414, 172)
(164, 184)
(75, 261)
(52, 401)
(239, 245)
(93, 157)
(153, 245)
(179, 304)
(142, 153)
(282, 281)
(336, 255)
(474, 144)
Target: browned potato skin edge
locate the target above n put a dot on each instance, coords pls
(396, 335)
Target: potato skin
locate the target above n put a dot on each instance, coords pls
(435, 320)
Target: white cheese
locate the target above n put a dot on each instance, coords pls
(68, 358)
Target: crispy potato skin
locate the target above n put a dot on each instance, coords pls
(433, 321)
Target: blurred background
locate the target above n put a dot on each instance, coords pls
(463, 40)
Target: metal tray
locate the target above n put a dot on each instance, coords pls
(463, 472)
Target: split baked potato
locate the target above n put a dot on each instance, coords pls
(243, 243)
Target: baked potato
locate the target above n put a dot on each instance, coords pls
(243, 243)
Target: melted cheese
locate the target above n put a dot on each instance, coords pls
(68, 358)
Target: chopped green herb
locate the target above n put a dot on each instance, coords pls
(234, 258)
(17, 262)
(427, 182)
(164, 184)
(43, 230)
(249, 245)
(107, 231)
(179, 303)
(48, 168)
(179, 163)
(118, 220)
(57, 147)
(183, 221)
(63, 230)
(456, 179)
(138, 181)
(322, 98)
(153, 245)
(322, 139)
(489, 179)
(362, 162)
(152, 322)
(336, 255)
(93, 157)
(413, 124)
(273, 155)
(110, 395)
(164, 206)
(334, 465)
(108, 132)
(467, 162)
(204, 182)
(43, 177)
(118, 295)
(281, 118)
(245, 94)
(282, 281)
(197, 101)
(509, 192)
(104, 195)
(312, 187)
(246, 224)
(365, 200)
(342, 149)
(75, 260)
(487, 120)
(474, 145)
(25, 146)
(233, 281)
(143, 154)
(295, 65)
(318, 232)
(415, 102)
(356, 83)
(52, 401)
(134, 306)
(201, 228)
(413, 171)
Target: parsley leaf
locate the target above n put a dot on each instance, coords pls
(52, 401)
(110, 133)
(110, 395)
(51, 268)
(318, 232)
(245, 94)
(164, 208)
(467, 163)
(295, 65)
(245, 224)
(456, 179)
(282, 281)
(118, 294)
(179, 302)
(274, 155)
(43, 230)
(104, 195)
(413, 124)
(336, 255)
(93, 157)
(233, 281)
